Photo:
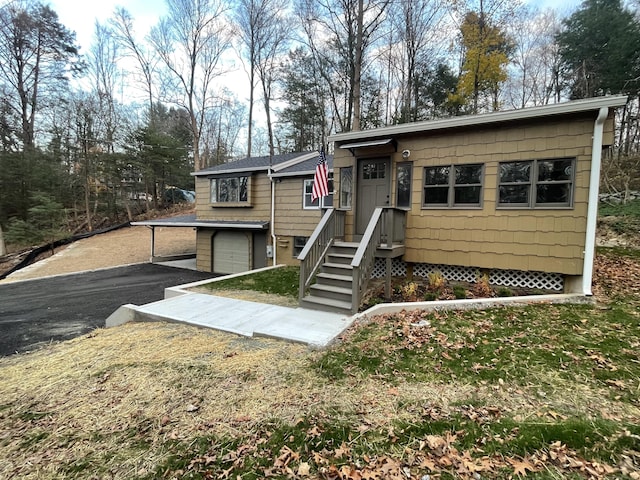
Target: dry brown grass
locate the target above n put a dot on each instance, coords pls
(114, 398)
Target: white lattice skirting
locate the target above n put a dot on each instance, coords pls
(455, 273)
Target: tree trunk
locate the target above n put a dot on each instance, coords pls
(3, 248)
(357, 77)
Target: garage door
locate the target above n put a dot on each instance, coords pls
(230, 252)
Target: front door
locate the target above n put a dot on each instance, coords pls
(374, 181)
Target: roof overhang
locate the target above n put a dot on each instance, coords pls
(190, 221)
(370, 143)
(565, 108)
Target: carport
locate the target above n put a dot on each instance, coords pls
(235, 246)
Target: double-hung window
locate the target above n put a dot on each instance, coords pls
(453, 186)
(327, 201)
(536, 183)
(230, 189)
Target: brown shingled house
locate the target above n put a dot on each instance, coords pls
(512, 194)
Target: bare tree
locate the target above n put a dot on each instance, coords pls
(103, 70)
(190, 41)
(340, 34)
(414, 46)
(534, 74)
(146, 60)
(263, 32)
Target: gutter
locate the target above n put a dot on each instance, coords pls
(592, 210)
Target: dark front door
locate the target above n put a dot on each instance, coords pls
(374, 180)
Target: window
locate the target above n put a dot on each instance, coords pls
(453, 186)
(298, 245)
(536, 183)
(229, 190)
(374, 170)
(403, 185)
(327, 202)
(346, 187)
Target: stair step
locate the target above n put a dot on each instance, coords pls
(326, 304)
(331, 291)
(337, 268)
(344, 281)
(353, 245)
(342, 258)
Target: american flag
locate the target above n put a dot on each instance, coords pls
(320, 178)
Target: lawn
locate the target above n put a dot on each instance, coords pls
(545, 391)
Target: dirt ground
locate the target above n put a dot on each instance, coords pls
(120, 247)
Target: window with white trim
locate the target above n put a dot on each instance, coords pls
(230, 190)
(536, 183)
(327, 202)
(453, 186)
(346, 187)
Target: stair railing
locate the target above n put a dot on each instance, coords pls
(364, 259)
(387, 225)
(312, 256)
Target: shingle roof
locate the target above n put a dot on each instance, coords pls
(254, 164)
(564, 108)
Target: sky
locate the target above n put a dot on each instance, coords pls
(81, 16)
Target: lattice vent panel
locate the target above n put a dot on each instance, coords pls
(398, 268)
(453, 273)
(517, 278)
(456, 273)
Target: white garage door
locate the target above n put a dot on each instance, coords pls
(230, 252)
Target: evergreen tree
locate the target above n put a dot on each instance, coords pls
(303, 119)
(600, 49)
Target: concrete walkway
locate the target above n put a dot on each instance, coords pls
(241, 317)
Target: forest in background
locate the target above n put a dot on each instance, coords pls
(95, 139)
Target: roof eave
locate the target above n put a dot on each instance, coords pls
(565, 108)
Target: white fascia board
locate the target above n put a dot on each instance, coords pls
(294, 161)
(231, 170)
(243, 226)
(575, 106)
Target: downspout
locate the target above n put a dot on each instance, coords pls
(273, 217)
(592, 210)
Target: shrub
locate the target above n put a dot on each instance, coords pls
(437, 282)
(482, 287)
(459, 292)
(505, 292)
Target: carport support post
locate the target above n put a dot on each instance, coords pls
(153, 243)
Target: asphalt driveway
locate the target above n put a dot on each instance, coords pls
(37, 312)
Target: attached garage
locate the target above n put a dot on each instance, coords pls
(223, 247)
(231, 252)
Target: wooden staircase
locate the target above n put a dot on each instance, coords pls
(333, 287)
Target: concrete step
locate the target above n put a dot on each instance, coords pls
(326, 304)
(332, 292)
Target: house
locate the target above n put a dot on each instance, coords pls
(252, 212)
(247, 207)
(513, 194)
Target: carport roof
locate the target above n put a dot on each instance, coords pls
(192, 221)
